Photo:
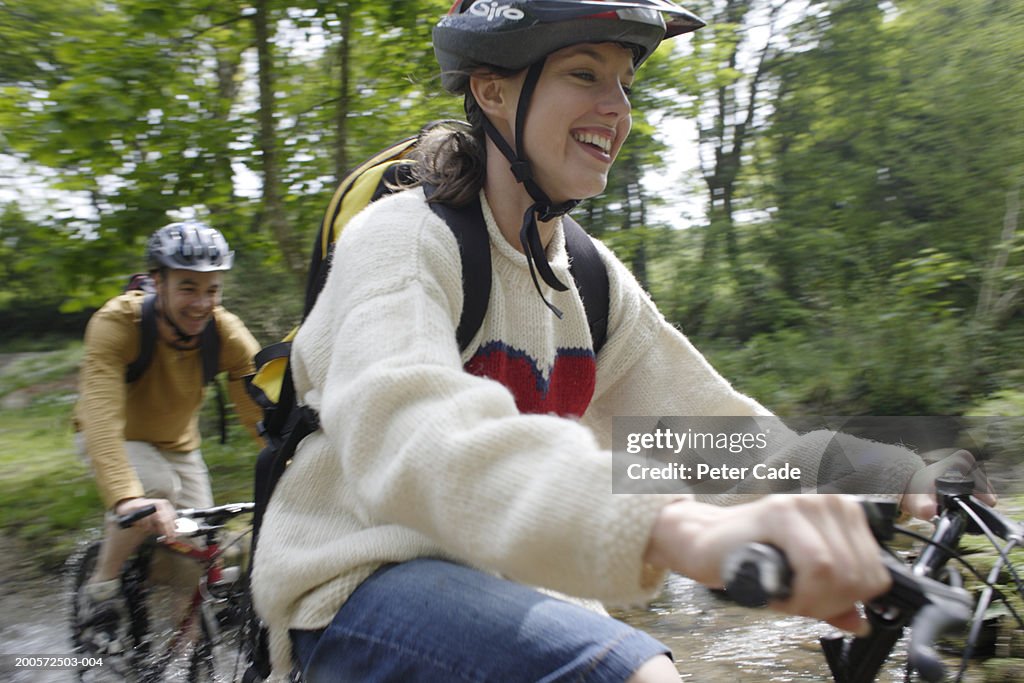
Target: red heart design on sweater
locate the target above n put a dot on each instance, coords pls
(566, 391)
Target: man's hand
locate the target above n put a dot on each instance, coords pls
(160, 523)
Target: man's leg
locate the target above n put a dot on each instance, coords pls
(177, 572)
(100, 602)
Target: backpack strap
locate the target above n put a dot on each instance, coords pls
(591, 276)
(470, 231)
(209, 344)
(147, 340)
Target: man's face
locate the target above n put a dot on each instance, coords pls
(188, 298)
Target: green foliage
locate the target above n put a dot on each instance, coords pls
(929, 278)
(46, 489)
(860, 169)
(888, 143)
(26, 259)
(129, 107)
(882, 201)
(1007, 402)
(880, 358)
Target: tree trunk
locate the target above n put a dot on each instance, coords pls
(341, 166)
(273, 216)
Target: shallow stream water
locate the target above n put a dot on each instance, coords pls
(33, 616)
(712, 639)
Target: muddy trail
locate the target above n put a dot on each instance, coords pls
(33, 611)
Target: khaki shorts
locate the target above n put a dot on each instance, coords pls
(181, 478)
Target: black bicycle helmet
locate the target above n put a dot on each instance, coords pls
(188, 245)
(513, 34)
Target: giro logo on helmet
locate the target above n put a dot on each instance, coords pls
(493, 10)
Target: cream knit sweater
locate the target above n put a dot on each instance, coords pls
(418, 457)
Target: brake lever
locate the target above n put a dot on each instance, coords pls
(931, 622)
(915, 591)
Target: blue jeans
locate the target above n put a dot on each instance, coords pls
(431, 621)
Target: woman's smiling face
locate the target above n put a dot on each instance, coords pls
(578, 118)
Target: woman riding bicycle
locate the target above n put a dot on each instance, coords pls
(404, 540)
(141, 437)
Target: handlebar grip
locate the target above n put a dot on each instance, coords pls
(125, 521)
(757, 573)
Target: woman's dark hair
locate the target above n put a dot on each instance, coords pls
(452, 156)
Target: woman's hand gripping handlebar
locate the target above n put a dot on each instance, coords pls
(831, 549)
(758, 573)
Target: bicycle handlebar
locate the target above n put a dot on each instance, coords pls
(125, 521)
(757, 573)
(215, 516)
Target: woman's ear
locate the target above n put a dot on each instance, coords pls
(493, 94)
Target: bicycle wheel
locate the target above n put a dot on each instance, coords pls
(200, 642)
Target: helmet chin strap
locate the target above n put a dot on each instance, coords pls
(182, 340)
(542, 208)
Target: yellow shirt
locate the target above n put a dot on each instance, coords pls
(162, 406)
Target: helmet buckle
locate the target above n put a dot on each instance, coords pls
(521, 170)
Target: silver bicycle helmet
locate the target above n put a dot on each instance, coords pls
(513, 34)
(189, 245)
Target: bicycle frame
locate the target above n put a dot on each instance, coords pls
(199, 623)
(207, 557)
(926, 594)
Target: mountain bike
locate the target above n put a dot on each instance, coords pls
(204, 640)
(927, 594)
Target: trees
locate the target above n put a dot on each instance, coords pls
(155, 111)
(891, 157)
(129, 105)
(860, 160)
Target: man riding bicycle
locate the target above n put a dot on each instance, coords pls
(141, 434)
